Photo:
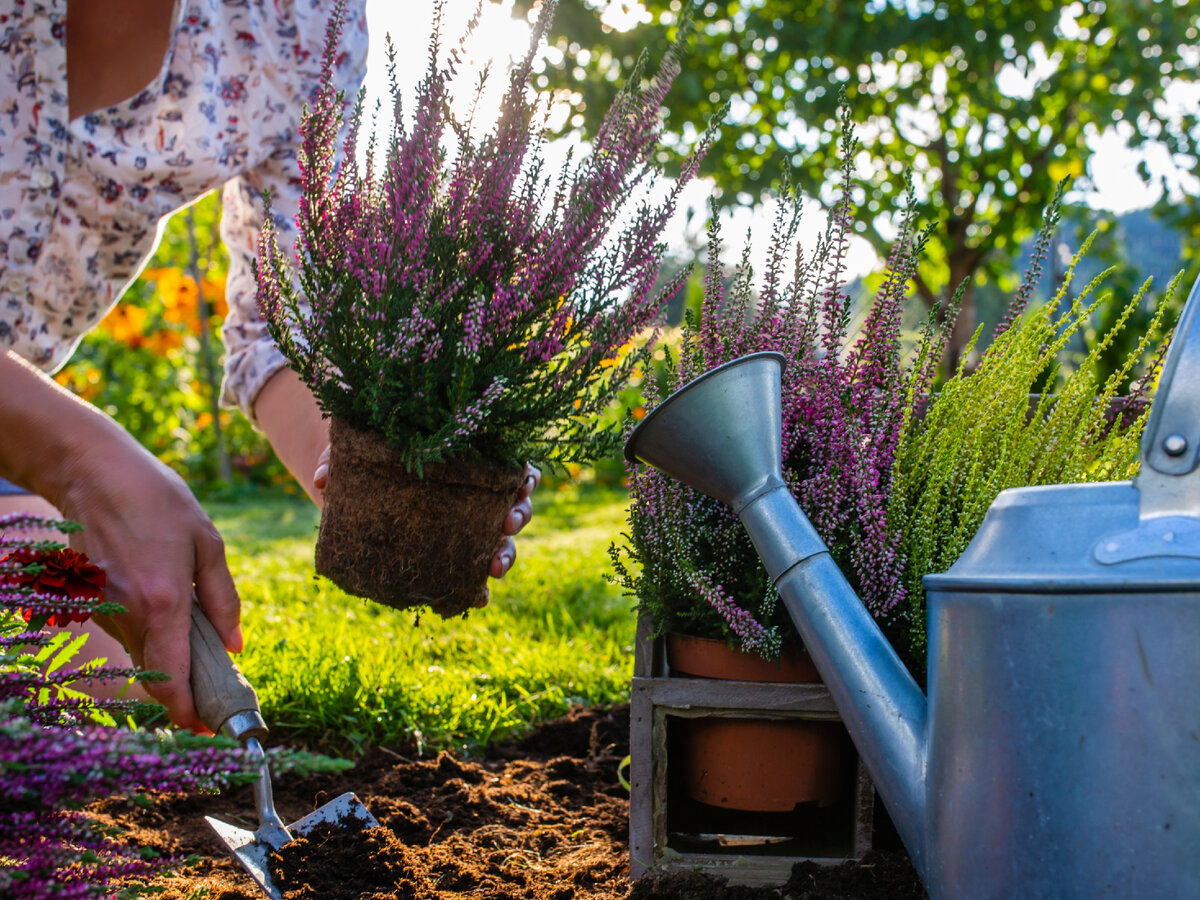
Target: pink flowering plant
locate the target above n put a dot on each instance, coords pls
(687, 558)
(455, 295)
(61, 749)
(896, 477)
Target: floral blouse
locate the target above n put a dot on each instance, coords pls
(81, 201)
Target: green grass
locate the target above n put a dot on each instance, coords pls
(338, 673)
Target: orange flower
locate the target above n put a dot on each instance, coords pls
(85, 384)
(164, 341)
(125, 324)
(179, 298)
(212, 287)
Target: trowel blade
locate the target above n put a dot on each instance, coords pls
(251, 850)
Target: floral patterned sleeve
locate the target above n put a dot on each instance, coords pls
(251, 355)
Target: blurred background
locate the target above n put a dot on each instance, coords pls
(988, 105)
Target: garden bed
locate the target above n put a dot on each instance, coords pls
(545, 818)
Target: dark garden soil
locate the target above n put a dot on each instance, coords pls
(544, 818)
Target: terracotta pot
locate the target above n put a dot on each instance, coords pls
(710, 658)
(755, 764)
(407, 540)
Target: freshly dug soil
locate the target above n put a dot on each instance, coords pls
(406, 540)
(544, 818)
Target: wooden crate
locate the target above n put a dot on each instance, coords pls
(655, 802)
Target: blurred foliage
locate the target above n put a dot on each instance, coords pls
(144, 364)
(989, 104)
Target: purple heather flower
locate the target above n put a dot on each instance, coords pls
(54, 758)
(457, 262)
(844, 402)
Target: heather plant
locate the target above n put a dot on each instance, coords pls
(844, 404)
(895, 477)
(987, 430)
(454, 295)
(59, 749)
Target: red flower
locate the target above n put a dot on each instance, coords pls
(65, 573)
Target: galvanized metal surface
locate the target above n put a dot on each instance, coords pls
(1171, 442)
(271, 829)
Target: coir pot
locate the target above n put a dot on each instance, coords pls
(409, 539)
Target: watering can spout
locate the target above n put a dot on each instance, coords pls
(721, 434)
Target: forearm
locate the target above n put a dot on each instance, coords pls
(289, 416)
(46, 432)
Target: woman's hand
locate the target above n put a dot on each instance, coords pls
(159, 549)
(518, 518)
(299, 434)
(141, 525)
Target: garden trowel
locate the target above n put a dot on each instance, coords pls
(228, 705)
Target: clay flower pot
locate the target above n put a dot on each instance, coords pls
(406, 540)
(756, 764)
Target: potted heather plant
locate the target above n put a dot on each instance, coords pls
(688, 560)
(989, 429)
(458, 310)
(845, 401)
(895, 476)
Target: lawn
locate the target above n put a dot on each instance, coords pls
(338, 673)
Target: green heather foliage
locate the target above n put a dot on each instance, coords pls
(844, 398)
(983, 432)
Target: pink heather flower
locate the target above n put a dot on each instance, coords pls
(844, 401)
(455, 262)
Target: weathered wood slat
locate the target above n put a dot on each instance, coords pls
(655, 699)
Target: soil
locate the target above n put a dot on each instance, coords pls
(544, 818)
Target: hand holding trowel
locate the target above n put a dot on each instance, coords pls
(227, 704)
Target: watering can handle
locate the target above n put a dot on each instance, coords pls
(1171, 443)
(225, 701)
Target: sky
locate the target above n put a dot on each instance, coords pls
(500, 37)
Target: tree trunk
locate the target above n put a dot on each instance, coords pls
(962, 269)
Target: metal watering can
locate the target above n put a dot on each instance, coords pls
(1058, 752)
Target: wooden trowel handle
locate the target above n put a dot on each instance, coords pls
(224, 699)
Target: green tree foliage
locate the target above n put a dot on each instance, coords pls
(989, 104)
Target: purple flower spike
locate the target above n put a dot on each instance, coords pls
(845, 398)
(454, 295)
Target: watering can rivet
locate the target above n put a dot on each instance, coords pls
(1174, 444)
(1169, 536)
(1113, 547)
